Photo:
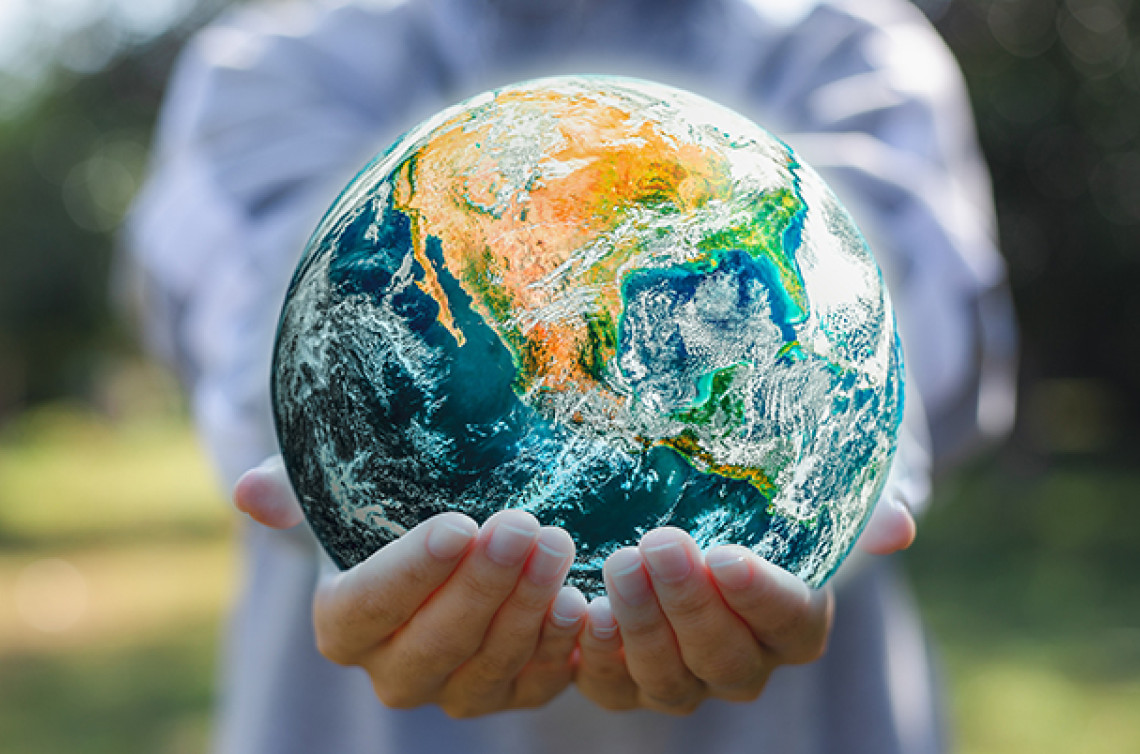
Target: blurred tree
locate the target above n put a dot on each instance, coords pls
(72, 152)
(1056, 92)
(57, 212)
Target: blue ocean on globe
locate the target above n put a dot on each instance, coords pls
(609, 302)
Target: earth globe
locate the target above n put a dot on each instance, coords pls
(606, 301)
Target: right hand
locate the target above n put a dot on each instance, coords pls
(469, 618)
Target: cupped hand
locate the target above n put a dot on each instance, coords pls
(471, 618)
(677, 627)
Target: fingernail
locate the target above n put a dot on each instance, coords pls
(568, 608)
(667, 562)
(604, 632)
(729, 567)
(448, 539)
(510, 544)
(563, 621)
(547, 564)
(628, 576)
(602, 623)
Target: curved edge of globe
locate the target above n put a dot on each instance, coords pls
(898, 377)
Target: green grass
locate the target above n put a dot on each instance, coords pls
(130, 510)
(1026, 576)
(67, 475)
(152, 693)
(1027, 581)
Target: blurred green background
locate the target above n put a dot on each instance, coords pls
(116, 562)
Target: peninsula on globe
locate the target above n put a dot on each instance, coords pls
(609, 302)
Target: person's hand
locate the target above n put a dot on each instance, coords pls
(677, 627)
(692, 627)
(470, 618)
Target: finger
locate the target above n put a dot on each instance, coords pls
(651, 650)
(715, 644)
(264, 493)
(784, 614)
(485, 682)
(551, 668)
(560, 635)
(602, 675)
(356, 610)
(452, 625)
(891, 528)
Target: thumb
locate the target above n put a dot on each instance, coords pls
(890, 529)
(265, 494)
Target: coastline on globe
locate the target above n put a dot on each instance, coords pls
(609, 302)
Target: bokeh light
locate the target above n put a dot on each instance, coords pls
(1025, 28)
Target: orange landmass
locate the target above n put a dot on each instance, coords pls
(450, 190)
